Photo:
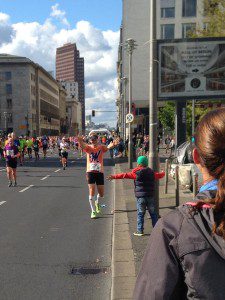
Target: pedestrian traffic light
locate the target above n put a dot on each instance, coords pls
(93, 113)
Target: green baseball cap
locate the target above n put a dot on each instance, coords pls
(142, 160)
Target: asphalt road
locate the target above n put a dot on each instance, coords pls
(46, 234)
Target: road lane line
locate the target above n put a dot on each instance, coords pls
(45, 177)
(57, 170)
(28, 187)
(2, 202)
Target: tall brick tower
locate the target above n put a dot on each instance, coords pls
(70, 67)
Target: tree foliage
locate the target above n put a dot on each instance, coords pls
(214, 13)
(167, 116)
(214, 18)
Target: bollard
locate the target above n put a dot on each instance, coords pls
(195, 185)
(177, 196)
(166, 175)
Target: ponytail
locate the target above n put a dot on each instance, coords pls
(219, 208)
(210, 143)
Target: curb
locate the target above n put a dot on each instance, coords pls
(123, 268)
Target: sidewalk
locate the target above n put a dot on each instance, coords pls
(127, 249)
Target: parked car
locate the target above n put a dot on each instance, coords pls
(187, 168)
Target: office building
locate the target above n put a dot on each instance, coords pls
(70, 67)
(175, 18)
(73, 108)
(31, 100)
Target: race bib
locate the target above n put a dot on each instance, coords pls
(95, 167)
(9, 152)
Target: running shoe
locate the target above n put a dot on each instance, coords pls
(93, 215)
(15, 183)
(64, 167)
(137, 233)
(10, 183)
(98, 208)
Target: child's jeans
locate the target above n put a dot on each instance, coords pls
(143, 204)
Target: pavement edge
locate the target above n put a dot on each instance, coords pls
(123, 267)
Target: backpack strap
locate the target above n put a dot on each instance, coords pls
(194, 204)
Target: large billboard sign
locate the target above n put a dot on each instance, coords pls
(191, 69)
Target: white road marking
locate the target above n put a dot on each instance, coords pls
(28, 187)
(2, 170)
(2, 202)
(57, 170)
(45, 177)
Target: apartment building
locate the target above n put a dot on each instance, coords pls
(175, 18)
(30, 98)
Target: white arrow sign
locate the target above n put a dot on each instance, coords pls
(129, 118)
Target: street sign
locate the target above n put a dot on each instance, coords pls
(129, 118)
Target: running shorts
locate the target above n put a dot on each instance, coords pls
(95, 178)
(12, 163)
(64, 154)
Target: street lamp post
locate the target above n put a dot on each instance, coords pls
(193, 117)
(130, 46)
(153, 153)
(124, 81)
(121, 115)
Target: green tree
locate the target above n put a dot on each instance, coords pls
(167, 116)
(201, 108)
(214, 13)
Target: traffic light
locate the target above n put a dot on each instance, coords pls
(93, 113)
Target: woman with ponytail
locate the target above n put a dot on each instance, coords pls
(185, 258)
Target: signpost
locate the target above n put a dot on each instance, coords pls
(129, 118)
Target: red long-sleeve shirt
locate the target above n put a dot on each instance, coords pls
(132, 174)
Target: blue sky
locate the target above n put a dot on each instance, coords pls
(102, 14)
(35, 28)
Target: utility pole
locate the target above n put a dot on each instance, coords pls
(124, 81)
(153, 153)
(130, 46)
(121, 115)
(193, 117)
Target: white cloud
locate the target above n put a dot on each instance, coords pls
(4, 18)
(59, 14)
(38, 42)
(6, 31)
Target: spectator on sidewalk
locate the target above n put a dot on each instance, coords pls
(144, 188)
(172, 146)
(158, 141)
(167, 143)
(185, 258)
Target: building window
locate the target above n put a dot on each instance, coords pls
(8, 89)
(188, 29)
(9, 118)
(189, 8)
(168, 12)
(167, 31)
(32, 76)
(9, 103)
(205, 26)
(8, 75)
